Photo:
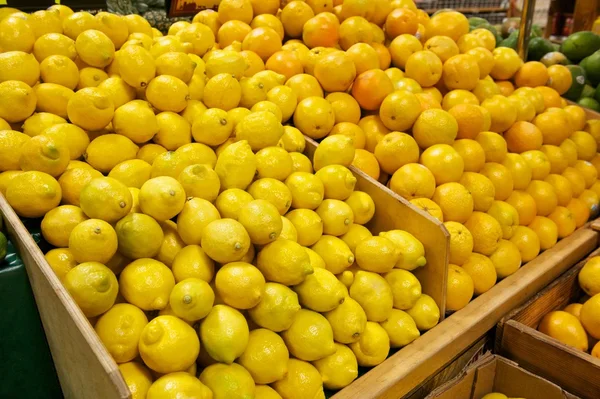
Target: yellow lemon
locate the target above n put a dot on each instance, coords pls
(139, 235)
(236, 165)
(348, 321)
(285, 262)
(335, 253)
(58, 223)
(373, 346)
(231, 201)
(73, 181)
(192, 262)
(137, 378)
(374, 294)
(224, 333)
(413, 252)
(191, 299)
(425, 313)
(401, 328)
(17, 101)
(61, 260)
(178, 383)
(93, 286)
(339, 369)
(273, 191)
(321, 291)
(225, 240)
(302, 381)
(240, 285)
(266, 356)
(120, 329)
(105, 198)
(566, 328)
(308, 225)
(307, 190)
(162, 197)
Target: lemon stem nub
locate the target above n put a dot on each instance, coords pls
(350, 259)
(122, 204)
(347, 222)
(187, 299)
(172, 193)
(97, 230)
(272, 235)
(237, 246)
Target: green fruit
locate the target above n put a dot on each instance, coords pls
(588, 91)
(510, 41)
(538, 47)
(536, 31)
(476, 21)
(510, 24)
(578, 77)
(590, 103)
(554, 58)
(596, 93)
(580, 45)
(591, 66)
(3, 245)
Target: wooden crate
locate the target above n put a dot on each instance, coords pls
(517, 338)
(395, 212)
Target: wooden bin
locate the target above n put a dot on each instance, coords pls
(517, 338)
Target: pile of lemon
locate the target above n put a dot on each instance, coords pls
(187, 223)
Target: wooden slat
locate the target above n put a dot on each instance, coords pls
(84, 367)
(394, 212)
(402, 372)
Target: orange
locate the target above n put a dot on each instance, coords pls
(321, 6)
(425, 67)
(413, 181)
(428, 101)
(570, 150)
(263, 41)
(286, 63)
(525, 206)
(401, 21)
(546, 230)
(399, 110)
(519, 170)
(429, 207)
(481, 188)
(374, 131)
(460, 288)
(555, 126)
(268, 21)
(345, 107)
(596, 187)
(468, 42)
(472, 154)
(408, 84)
(355, 30)
(485, 60)
(557, 158)
(403, 47)
(455, 201)
(506, 63)
(506, 259)
(240, 10)
(562, 188)
(364, 56)
(444, 162)
(523, 136)
(527, 242)
(434, 126)
(461, 72)
(451, 23)
(486, 232)
(367, 163)
(502, 111)
(501, 178)
(482, 271)
(370, 89)
(576, 179)
(437, 95)
(335, 71)
(577, 117)
(531, 74)
(470, 119)
(592, 126)
(591, 199)
(534, 96)
(588, 171)
(493, 145)
(396, 150)
(524, 107)
(351, 130)
(293, 17)
(456, 97)
(586, 145)
(538, 162)
(551, 97)
(559, 78)
(442, 46)
(580, 211)
(545, 198)
(321, 32)
(564, 220)
(385, 58)
(381, 9)
(506, 87)
(305, 86)
(232, 31)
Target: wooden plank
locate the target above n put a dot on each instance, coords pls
(84, 367)
(409, 367)
(394, 212)
(572, 369)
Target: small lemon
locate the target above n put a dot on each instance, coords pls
(45, 154)
(288, 232)
(120, 329)
(273, 191)
(373, 346)
(37, 123)
(162, 198)
(266, 356)
(168, 344)
(91, 77)
(302, 381)
(222, 91)
(261, 129)
(310, 336)
(236, 166)
(61, 70)
(401, 328)
(137, 378)
(284, 262)
(266, 392)
(136, 66)
(377, 254)
(93, 286)
(168, 93)
(191, 299)
(174, 131)
(277, 308)
(107, 151)
(119, 91)
(292, 140)
(72, 183)
(362, 206)
(200, 181)
(59, 222)
(93, 240)
(413, 252)
(73, 136)
(273, 162)
(61, 260)
(224, 333)
(171, 243)
(139, 235)
(195, 215)
(334, 150)
(180, 383)
(337, 180)
(91, 109)
(589, 276)
(348, 321)
(54, 44)
(355, 235)
(197, 153)
(176, 64)
(212, 127)
(262, 221)
(147, 283)
(321, 291)
(406, 288)
(105, 198)
(307, 190)
(225, 240)
(132, 173)
(192, 262)
(240, 285)
(36, 202)
(95, 48)
(136, 121)
(149, 152)
(339, 369)
(11, 147)
(374, 294)
(301, 163)
(230, 201)
(228, 381)
(425, 313)
(285, 98)
(335, 253)
(566, 328)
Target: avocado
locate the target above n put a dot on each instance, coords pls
(591, 66)
(580, 45)
(578, 77)
(538, 47)
(588, 91)
(590, 103)
(554, 58)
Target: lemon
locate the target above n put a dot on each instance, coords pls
(137, 378)
(273, 162)
(314, 116)
(18, 65)
(174, 131)
(167, 93)
(355, 235)
(495, 395)
(168, 345)
(175, 64)
(119, 91)
(362, 206)
(260, 129)
(310, 336)
(292, 140)
(225, 240)
(120, 329)
(373, 293)
(307, 190)
(228, 381)
(58, 223)
(45, 154)
(170, 163)
(136, 121)
(53, 98)
(36, 202)
(335, 253)
(373, 346)
(338, 181)
(61, 260)
(105, 198)
(192, 262)
(266, 392)
(191, 299)
(339, 369)
(93, 240)
(240, 285)
(566, 328)
(132, 173)
(401, 328)
(149, 152)
(406, 288)
(321, 291)
(377, 254)
(261, 220)
(348, 321)
(334, 150)
(75, 138)
(269, 107)
(212, 127)
(93, 286)
(91, 77)
(195, 215)
(224, 333)
(277, 308)
(273, 191)
(37, 123)
(285, 262)
(506, 258)
(179, 383)
(16, 34)
(589, 276)
(90, 108)
(139, 235)
(302, 381)
(113, 26)
(162, 198)
(413, 252)
(11, 144)
(231, 201)
(17, 101)
(308, 225)
(136, 66)
(285, 98)
(301, 163)
(72, 183)
(54, 44)
(461, 242)
(266, 356)
(147, 283)
(589, 318)
(236, 166)
(171, 243)
(200, 181)
(425, 313)
(95, 48)
(507, 216)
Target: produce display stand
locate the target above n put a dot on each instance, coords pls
(519, 340)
